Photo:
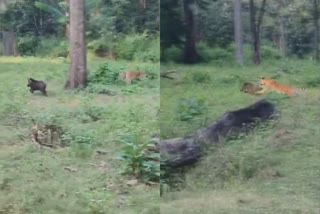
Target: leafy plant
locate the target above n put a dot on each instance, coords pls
(138, 162)
(104, 75)
(189, 108)
(27, 45)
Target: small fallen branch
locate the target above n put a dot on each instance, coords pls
(187, 150)
(166, 74)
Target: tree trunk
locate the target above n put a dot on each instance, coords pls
(316, 28)
(282, 39)
(190, 54)
(78, 65)
(238, 31)
(9, 43)
(255, 30)
(67, 26)
(187, 150)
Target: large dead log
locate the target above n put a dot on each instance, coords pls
(187, 150)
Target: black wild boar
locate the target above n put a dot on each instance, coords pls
(36, 85)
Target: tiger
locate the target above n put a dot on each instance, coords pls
(253, 89)
(272, 84)
(130, 75)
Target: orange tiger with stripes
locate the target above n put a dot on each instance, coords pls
(267, 83)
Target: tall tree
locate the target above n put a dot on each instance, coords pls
(316, 27)
(78, 66)
(190, 52)
(255, 25)
(238, 31)
(9, 43)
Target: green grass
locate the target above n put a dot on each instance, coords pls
(274, 169)
(74, 179)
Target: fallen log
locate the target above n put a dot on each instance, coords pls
(166, 74)
(187, 150)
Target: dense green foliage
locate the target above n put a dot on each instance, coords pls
(124, 27)
(215, 30)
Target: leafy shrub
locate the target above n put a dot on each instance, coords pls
(74, 136)
(101, 44)
(189, 108)
(91, 113)
(128, 45)
(151, 53)
(27, 45)
(268, 52)
(52, 47)
(216, 54)
(172, 54)
(105, 75)
(145, 167)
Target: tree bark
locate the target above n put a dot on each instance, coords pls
(238, 31)
(187, 150)
(190, 53)
(255, 26)
(67, 15)
(78, 65)
(9, 43)
(282, 39)
(316, 27)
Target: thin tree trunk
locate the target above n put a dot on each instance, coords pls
(9, 43)
(78, 66)
(190, 54)
(255, 30)
(316, 27)
(282, 39)
(238, 31)
(67, 26)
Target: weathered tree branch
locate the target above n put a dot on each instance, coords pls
(166, 74)
(187, 150)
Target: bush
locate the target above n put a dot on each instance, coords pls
(216, 54)
(27, 45)
(268, 52)
(189, 108)
(101, 44)
(137, 46)
(172, 54)
(152, 52)
(106, 74)
(52, 47)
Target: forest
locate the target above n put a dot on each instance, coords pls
(222, 63)
(79, 106)
(159, 106)
(282, 28)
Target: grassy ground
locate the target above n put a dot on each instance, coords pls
(75, 179)
(275, 169)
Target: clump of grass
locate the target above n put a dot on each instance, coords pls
(189, 108)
